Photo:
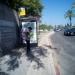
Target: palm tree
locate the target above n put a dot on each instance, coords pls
(73, 5)
(69, 14)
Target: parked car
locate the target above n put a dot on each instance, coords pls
(69, 32)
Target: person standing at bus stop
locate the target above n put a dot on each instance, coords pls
(27, 37)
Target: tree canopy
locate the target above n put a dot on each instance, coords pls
(34, 7)
(69, 14)
(73, 5)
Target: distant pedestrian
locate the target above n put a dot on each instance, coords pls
(26, 36)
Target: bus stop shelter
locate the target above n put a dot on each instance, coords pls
(34, 23)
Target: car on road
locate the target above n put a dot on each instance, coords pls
(69, 32)
(57, 30)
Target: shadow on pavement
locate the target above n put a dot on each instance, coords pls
(3, 73)
(36, 55)
(53, 48)
(49, 46)
(12, 58)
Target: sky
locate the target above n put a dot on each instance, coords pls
(54, 10)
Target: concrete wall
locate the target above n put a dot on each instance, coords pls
(8, 28)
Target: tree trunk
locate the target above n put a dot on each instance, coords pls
(70, 21)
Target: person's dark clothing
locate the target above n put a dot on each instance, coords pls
(28, 46)
(26, 37)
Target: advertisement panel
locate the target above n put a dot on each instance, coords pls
(33, 37)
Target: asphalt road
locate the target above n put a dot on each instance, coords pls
(64, 46)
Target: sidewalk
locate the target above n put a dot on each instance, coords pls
(42, 61)
(48, 66)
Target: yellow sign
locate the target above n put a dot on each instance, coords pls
(22, 12)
